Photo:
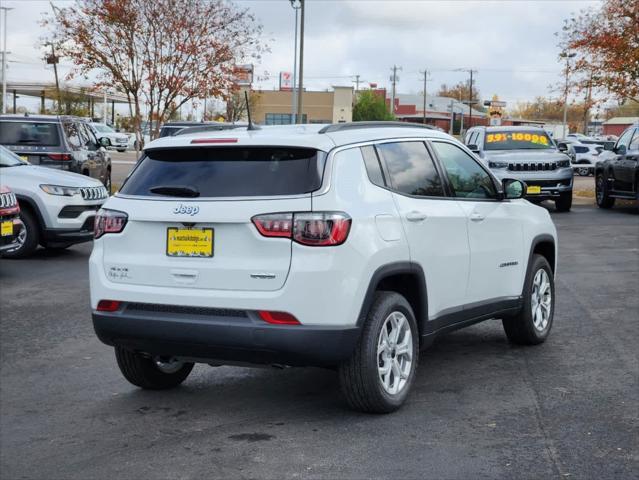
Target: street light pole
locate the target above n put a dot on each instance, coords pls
(567, 56)
(296, 6)
(300, 90)
(4, 60)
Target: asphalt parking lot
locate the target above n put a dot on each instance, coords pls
(480, 408)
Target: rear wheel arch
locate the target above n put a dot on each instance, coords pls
(405, 278)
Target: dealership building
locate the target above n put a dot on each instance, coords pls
(274, 107)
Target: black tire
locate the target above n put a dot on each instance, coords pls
(144, 373)
(359, 376)
(583, 171)
(602, 194)
(31, 237)
(121, 150)
(564, 202)
(520, 329)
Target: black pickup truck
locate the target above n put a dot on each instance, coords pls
(617, 171)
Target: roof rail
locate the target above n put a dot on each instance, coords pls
(206, 128)
(339, 127)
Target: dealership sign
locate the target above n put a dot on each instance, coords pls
(286, 81)
(243, 74)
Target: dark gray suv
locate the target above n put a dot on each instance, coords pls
(527, 154)
(60, 142)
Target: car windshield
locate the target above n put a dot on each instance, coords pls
(517, 140)
(9, 159)
(103, 128)
(29, 133)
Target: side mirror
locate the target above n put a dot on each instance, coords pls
(513, 188)
(105, 142)
(562, 147)
(473, 148)
(620, 150)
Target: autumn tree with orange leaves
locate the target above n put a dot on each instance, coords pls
(162, 53)
(606, 44)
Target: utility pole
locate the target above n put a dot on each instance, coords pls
(394, 80)
(356, 82)
(300, 111)
(567, 56)
(4, 60)
(452, 116)
(296, 6)
(53, 60)
(425, 73)
(471, 101)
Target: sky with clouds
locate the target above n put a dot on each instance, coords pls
(511, 44)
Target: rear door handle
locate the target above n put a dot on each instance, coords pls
(476, 217)
(416, 216)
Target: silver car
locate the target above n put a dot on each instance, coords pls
(527, 154)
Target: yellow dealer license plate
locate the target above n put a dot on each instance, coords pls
(533, 189)
(189, 242)
(6, 228)
(24, 157)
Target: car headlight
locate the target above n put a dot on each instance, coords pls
(497, 164)
(563, 163)
(60, 190)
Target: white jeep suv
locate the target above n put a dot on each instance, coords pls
(350, 246)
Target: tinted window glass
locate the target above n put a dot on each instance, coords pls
(373, 167)
(29, 133)
(229, 172)
(634, 143)
(467, 177)
(517, 140)
(72, 132)
(625, 138)
(411, 169)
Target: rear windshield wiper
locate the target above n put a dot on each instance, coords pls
(175, 191)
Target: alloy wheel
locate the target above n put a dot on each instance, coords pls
(395, 353)
(168, 365)
(541, 300)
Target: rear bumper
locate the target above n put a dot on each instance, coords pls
(225, 338)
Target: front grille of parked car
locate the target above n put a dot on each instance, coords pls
(185, 310)
(8, 200)
(532, 166)
(93, 193)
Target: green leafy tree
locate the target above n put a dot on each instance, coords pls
(371, 106)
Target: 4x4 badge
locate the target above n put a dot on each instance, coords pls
(186, 209)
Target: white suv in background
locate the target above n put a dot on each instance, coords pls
(57, 208)
(348, 246)
(119, 141)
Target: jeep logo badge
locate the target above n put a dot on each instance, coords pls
(186, 210)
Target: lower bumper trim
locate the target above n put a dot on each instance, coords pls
(226, 339)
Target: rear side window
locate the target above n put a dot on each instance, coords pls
(373, 167)
(411, 169)
(29, 133)
(228, 172)
(72, 132)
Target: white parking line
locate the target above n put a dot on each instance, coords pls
(124, 162)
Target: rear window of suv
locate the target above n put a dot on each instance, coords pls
(29, 133)
(227, 172)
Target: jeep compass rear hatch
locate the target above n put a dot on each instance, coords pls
(192, 222)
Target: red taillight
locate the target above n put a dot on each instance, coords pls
(109, 221)
(275, 224)
(318, 229)
(213, 140)
(60, 157)
(278, 318)
(108, 305)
